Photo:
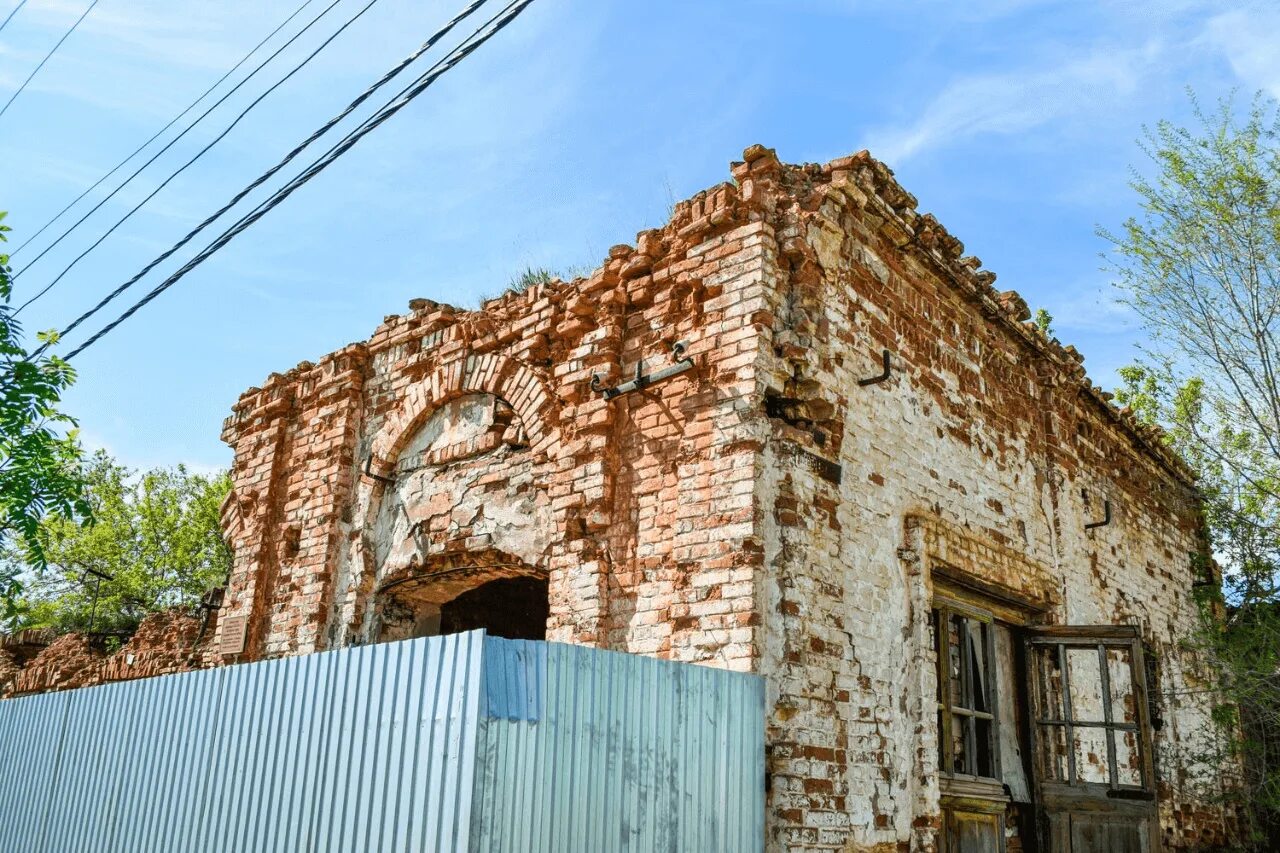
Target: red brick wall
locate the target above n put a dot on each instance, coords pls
(165, 643)
(9, 671)
(762, 511)
(648, 497)
(983, 456)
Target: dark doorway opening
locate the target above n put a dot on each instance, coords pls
(513, 608)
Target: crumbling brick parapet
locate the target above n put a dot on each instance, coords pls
(165, 643)
(770, 435)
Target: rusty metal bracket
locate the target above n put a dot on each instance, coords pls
(1106, 517)
(885, 372)
(98, 577)
(209, 602)
(368, 469)
(680, 364)
(212, 599)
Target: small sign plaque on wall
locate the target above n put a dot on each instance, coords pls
(233, 631)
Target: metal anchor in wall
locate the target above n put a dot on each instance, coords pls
(98, 578)
(680, 363)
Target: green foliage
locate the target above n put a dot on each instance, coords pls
(1140, 393)
(1044, 320)
(1201, 267)
(530, 276)
(157, 534)
(1239, 636)
(1248, 653)
(577, 271)
(39, 452)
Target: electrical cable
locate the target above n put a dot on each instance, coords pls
(47, 56)
(9, 17)
(321, 131)
(495, 25)
(198, 154)
(159, 132)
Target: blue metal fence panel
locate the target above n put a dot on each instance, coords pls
(29, 766)
(591, 751)
(444, 744)
(369, 748)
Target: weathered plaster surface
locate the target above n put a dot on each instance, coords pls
(761, 511)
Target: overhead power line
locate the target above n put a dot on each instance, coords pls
(198, 154)
(481, 35)
(431, 42)
(9, 17)
(159, 132)
(47, 56)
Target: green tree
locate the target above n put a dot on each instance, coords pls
(1201, 268)
(156, 535)
(39, 453)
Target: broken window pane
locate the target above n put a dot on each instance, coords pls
(955, 661)
(1090, 745)
(1047, 682)
(960, 744)
(1128, 759)
(942, 746)
(966, 726)
(984, 754)
(1124, 700)
(1011, 713)
(1085, 677)
(976, 662)
(933, 626)
(1088, 728)
(1051, 754)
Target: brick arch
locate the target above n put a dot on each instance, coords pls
(445, 576)
(490, 373)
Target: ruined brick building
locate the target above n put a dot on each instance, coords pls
(795, 431)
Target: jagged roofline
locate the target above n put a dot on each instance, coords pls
(859, 180)
(925, 235)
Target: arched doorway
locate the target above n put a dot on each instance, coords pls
(505, 598)
(514, 608)
(461, 531)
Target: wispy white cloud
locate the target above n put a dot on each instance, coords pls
(1148, 50)
(1092, 307)
(1249, 39)
(201, 35)
(1019, 100)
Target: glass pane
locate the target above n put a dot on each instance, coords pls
(1090, 745)
(984, 752)
(1051, 753)
(955, 659)
(1046, 682)
(1086, 684)
(976, 644)
(1128, 759)
(1011, 713)
(937, 651)
(1124, 701)
(960, 739)
(942, 746)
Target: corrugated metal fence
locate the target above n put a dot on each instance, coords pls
(591, 751)
(364, 749)
(443, 744)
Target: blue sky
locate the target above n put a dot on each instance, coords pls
(1014, 121)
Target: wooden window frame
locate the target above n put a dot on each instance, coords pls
(945, 608)
(1102, 639)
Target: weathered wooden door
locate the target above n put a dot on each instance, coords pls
(1094, 779)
